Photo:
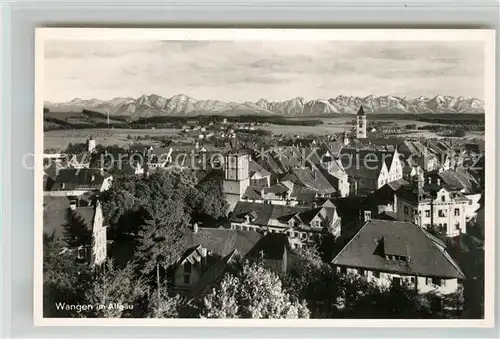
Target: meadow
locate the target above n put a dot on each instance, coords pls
(59, 139)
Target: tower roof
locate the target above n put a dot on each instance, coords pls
(361, 111)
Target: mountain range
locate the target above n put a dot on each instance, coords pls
(183, 105)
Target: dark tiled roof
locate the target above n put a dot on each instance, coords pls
(459, 180)
(425, 258)
(221, 242)
(78, 179)
(310, 178)
(252, 193)
(271, 246)
(368, 166)
(256, 168)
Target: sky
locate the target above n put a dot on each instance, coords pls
(250, 70)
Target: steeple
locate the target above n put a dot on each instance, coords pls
(361, 123)
(361, 111)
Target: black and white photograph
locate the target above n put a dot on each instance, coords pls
(238, 174)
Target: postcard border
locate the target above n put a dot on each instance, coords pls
(485, 35)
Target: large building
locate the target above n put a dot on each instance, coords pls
(361, 124)
(395, 252)
(430, 203)
(303, 225)
(236, 176)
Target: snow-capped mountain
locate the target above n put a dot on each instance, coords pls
(181, 105)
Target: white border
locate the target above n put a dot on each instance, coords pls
(486, 36)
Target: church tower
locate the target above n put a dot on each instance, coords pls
(361, 124)
(236, 176)
(91, 144)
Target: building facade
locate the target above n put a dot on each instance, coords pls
(236, 176)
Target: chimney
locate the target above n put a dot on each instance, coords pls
(195, 228)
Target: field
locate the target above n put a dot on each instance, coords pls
(59, 139)
(343, 123)
(106, 137)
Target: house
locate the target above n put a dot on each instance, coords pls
(303, 225)
(211, 252)
(430, 203)
(394, 252)
(88, 215)
(385, 197)
(369, 170)
(76, 182)
(79, 161)
(258, 175)
(461, 181)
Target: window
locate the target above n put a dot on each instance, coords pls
(412, 279)
(187, 267)
(457, 225)
(443, 198)
(361, 271)
(436, 281)
(428, 281)
(396, 281)
(457, 212)
(376, 274)
(427, 213)
(343, 269)
(441, 214)
(445, 227)
(187, 279)
(406, 209)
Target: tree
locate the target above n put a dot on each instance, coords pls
(64, 278)
(166, 306)
(253, 293)
(76, 232)
(116, 292)
(166, 216)
(210, 199)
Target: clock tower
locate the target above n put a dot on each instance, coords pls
(361, 124)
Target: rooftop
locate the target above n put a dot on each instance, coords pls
(424, 257)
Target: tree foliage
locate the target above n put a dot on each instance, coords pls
(210, 200)
(64, 278)
(253, 293)
(76, 232)
(115, 292)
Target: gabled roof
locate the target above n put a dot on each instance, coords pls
(252, 193)
(221, 242)
(311, 178)
(271, 246)
(368, 166)
(425, 258)
(78, 179)
(459, 180)
(257, 168)
(277, 215)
